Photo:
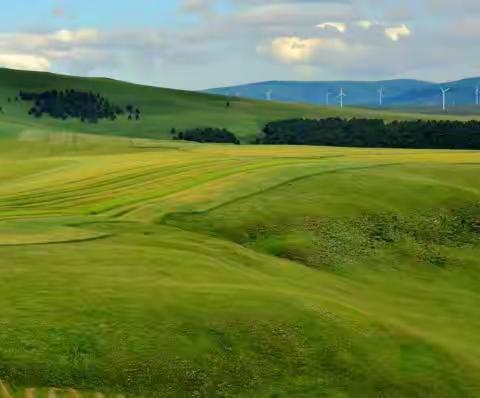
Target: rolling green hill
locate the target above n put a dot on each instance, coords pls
(148, 267)
(162, 109)
(157, 268)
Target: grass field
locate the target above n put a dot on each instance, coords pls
(161, 268)
(148, 267)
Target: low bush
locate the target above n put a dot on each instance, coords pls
(207, 134)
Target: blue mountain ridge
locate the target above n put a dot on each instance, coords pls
(399, 92)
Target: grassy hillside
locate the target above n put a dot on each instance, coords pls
(162, 109)
(156, 268)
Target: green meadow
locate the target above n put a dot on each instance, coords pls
(135, 265)
(164, 109)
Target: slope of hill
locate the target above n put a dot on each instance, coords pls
(402, 92)
(162, 109)
(160, 268)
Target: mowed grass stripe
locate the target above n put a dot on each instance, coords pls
(104, 178)
(187, 176)
(229, 176)
(115, 186)
(232, 201)
(105, 191)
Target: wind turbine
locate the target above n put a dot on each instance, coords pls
(477, 95)
(381, 94)
(341, 95)
(327, 97)
(444, 97)
(268, 95)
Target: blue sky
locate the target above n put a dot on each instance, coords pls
(106, 14)
(196, 44)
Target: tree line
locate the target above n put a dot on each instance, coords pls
(206, 134)
(89, 107)
(435, 134)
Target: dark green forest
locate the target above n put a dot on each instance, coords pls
(434, 134)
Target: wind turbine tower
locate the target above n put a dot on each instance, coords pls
(341, 95)
(381, 94)
(327, 97)
(444, 97)
(268, 95)
(477, 95)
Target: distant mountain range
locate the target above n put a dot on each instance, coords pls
(398, 93)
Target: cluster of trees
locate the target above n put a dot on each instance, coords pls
(133, 112)
(206, 134)
(436, 134)
(87, 106)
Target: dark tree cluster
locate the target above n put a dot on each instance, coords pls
(89, 107)
(434, 134)
(133, 113)
(207, 134)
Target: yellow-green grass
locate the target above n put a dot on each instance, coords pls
(38, 231)
(178, 298)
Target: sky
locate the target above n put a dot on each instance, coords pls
(198, 44)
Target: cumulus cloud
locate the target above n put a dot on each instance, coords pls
(297, 50)
(339, 26)
(78, 36)
(132, 54)
(233, 41)
(25, 62)
(293, 49)
(395, 33)
(39, 51)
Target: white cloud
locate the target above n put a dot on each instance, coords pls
(78, 36)
(395, 33)
(300, 50)
(40, 51)
(287, 34)
(294, 49)
(37, 41)
(340, 26)
(25, 62)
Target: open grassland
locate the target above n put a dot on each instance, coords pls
(159, 268)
